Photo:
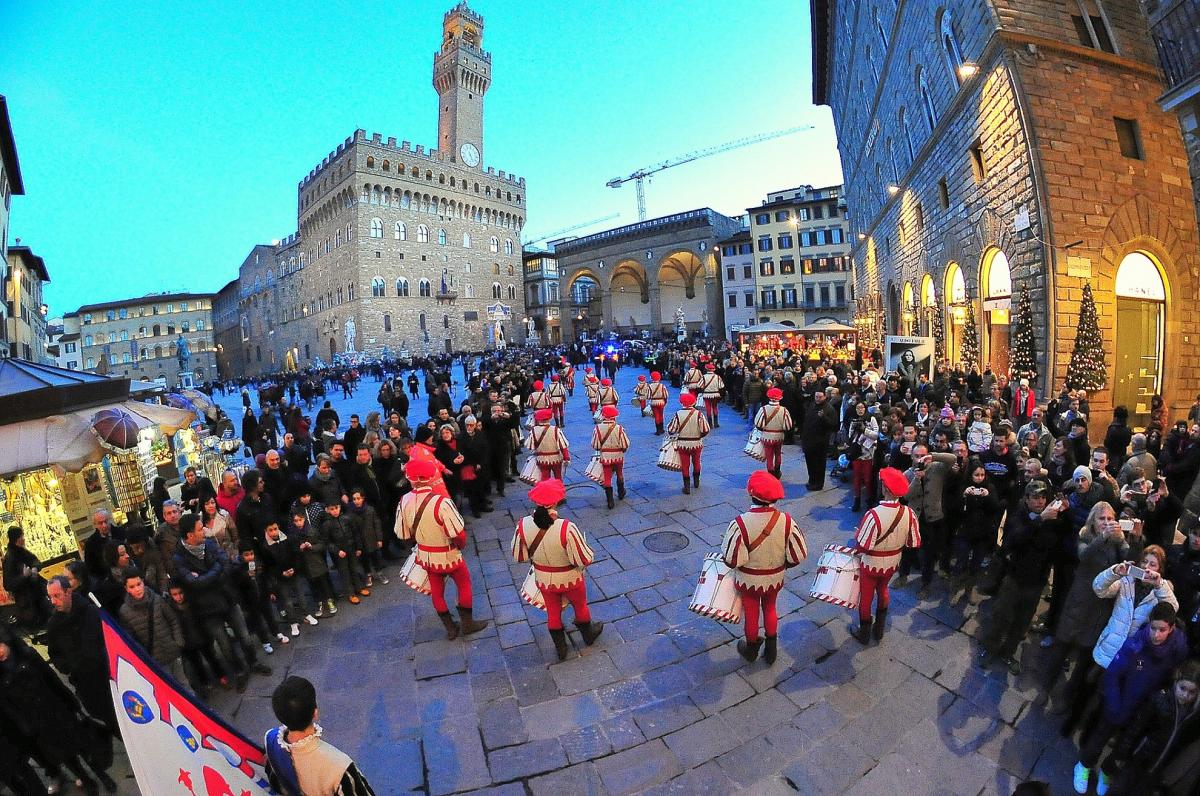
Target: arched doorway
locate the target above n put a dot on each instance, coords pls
(1141, 317)
(332, 349)
(908, 313)
(584, 302)
(928, 305)
(996, 281)
(958, 313)
(630, 295)
(681, 284)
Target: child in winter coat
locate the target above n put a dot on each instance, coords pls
(284, 564)
(1140, 668)
(312, 557)
(1160, 730)
(249, 590)
(370, 530)
(345, 548)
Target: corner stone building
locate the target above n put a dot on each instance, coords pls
(995, 146)
(397, 247)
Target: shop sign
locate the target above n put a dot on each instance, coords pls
(1079, 267)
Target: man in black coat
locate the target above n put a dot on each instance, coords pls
(820, 421)
(93, 547)
(278, 483)
(75, 643)
(327, 413)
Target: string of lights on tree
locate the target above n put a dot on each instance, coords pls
(1086, 369)
(1024, 345)
(969, 355)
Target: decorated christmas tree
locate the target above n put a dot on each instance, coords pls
(969, 355)
(937, 330)
(1086, 370)
(1024, 345)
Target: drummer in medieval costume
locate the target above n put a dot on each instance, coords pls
(712, 385)
(433, 522)
(559, 554)
(772, 423)
(656, 393)
(591, 386)
(608, 393)
(641, 393)
(538, 398)
(689, 428)
(548, 445)
(693, 378)
(758, 546)
(567, 371)
(881, 536)
(558, 399)
(610, 442)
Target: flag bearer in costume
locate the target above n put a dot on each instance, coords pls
(773, 422)
(567, 371)
(608, 393)
(549, 445)
(641, 393)
(558, 398)
(759, 545)
(711, 384)
(538, 399)
(881, 536)
(689, 428)
(435, 524)
(591, 386)
(299, 761)
(559, 553)
(657, 394)
(610, 441)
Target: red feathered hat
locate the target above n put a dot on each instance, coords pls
(687, 399)
(655, 376)
(420, 470)
(774, 394)
(764, 486)
(894, 481)
(609, 411)
(543, 415)
(537, 385)
(548, 493)
(605, 382)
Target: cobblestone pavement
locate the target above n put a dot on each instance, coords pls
(662, 703)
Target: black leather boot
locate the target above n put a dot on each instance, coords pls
(590, 631)
(658, 429)
(469, 625)
(863, 633)
(770, 651)
(749, 649)
(451, 625)
(880, 618)
(696, 479)
(560, 644)
(687, 487)
(620, 489)
(608, 496)
(857, 505)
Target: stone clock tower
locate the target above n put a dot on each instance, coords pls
(462, 72)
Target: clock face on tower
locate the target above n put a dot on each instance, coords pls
(470, 155)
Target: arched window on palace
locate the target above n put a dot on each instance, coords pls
(377, 287)
(376, 228)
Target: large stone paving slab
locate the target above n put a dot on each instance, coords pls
(662, 703)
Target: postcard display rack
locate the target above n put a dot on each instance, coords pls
(126, 489)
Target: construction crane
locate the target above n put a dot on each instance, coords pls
(571, 228)
(641, 174)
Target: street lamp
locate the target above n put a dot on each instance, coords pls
(967, 70)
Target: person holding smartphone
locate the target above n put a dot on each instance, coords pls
(1135, 589)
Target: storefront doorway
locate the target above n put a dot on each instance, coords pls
(997, 299)
(1141, 304)
(958, 313)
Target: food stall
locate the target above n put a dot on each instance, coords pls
(67, 447)
(821, 340)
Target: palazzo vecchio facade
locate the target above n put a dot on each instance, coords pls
(397, 247)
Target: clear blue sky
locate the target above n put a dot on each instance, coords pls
(160, 141)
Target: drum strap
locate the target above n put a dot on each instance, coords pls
(891, 528)
(769, 416)
(762, 536)
(421, 512)
(604, 439)
(537, 441)
(537, 540)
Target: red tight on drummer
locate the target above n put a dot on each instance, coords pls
(752, 603)
(609, 469)
(688, 460)
(437, 586)
(872, 585)
(774, 452)
(576, 595)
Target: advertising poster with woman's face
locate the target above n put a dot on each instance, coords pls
(909, 357)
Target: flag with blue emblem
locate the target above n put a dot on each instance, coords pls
(176, 745)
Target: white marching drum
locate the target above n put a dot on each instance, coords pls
(413, 574)
(531, 594)
(595, 470)
(837, 576)
(716, 594)
(530, 473)
(668, 457)
(754, 447)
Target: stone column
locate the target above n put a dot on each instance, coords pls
(655, 307)
(716, 307)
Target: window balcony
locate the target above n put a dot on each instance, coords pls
(1176, 33)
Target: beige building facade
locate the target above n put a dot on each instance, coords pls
(27, 335)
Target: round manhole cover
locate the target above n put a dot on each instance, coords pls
(665, 542)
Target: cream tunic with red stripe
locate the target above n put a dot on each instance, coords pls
(881, 556)
(758, 557)
(608, 396)
(693, 377)
(557, 393)
(548, 443)
(591, 386)
(568, 376)
(641, 393)
(657, 393)
(560, 557)
(772, 422)
(610, 441)
(538, 399)
(712, 384)
(690, 427)
(440, 522)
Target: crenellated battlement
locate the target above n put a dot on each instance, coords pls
(466, 11)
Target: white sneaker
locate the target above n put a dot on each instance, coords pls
(282, 638)
(1082, 775)
(267, 648)
(295, 629)
(312, 620)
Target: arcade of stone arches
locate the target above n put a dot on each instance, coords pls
(631, 296)
(1141, 291)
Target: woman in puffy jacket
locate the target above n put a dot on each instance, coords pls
(1134, 597)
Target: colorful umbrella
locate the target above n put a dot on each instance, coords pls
(179, 402)
(116, 429)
